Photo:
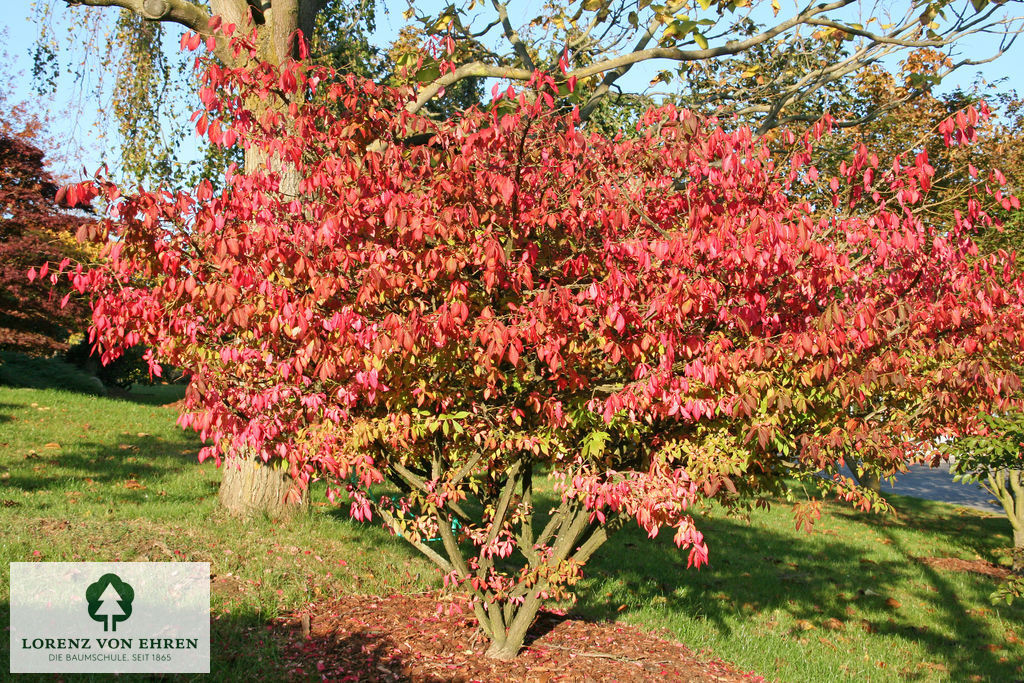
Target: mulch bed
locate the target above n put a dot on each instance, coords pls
(953, 564)
(403, 638)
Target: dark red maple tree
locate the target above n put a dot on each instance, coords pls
(35, 314)
(650, 323)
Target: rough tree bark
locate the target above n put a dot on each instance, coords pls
(250, 487)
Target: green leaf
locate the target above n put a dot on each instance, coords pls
(700, 40)
(594, 443)
(428, 73)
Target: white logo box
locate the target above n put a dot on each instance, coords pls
(154, 618)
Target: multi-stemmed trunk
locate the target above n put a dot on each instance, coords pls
(1008, 487)
(570, 535)
(1018, 551)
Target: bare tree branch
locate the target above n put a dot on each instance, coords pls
(187, 14)
(513, 36)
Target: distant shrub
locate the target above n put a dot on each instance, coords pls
(36, 372)
(127, 370)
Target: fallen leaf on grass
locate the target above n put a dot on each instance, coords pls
(834, 624)
(52, 444)
(133, 484)
(892, 602)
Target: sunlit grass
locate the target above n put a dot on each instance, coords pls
(851, 601)
(84, 478)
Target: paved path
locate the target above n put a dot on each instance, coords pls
(936, 483)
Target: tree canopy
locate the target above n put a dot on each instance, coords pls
(654, 321)
(34, 230)
(763, 60)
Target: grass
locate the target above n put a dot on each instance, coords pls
(88, 478)
(851, 601)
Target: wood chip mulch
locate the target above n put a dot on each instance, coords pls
(404, 638)
(954, 564)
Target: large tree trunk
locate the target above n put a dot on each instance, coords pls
(250, 487)
(868, 480)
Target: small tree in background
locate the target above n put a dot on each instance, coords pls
(34, 317)
(651, 322)
(994, 460)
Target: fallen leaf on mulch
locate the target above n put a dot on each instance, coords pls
(955, 564)
(403, 638)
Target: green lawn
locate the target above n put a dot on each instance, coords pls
(85, 478)
(851, 601)
(90, 478)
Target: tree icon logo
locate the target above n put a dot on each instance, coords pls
(110, 600)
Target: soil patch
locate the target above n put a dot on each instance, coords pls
(404, 638)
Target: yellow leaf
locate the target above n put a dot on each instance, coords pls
(701, 40)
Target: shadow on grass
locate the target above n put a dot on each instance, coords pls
(150, 394)
(5, 408)
(970, 526)
(124, 469)
(815, 579)
(242, 648)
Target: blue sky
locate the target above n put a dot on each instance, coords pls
(86, 110)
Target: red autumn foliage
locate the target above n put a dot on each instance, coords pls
(650, 322)
(35, 315)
